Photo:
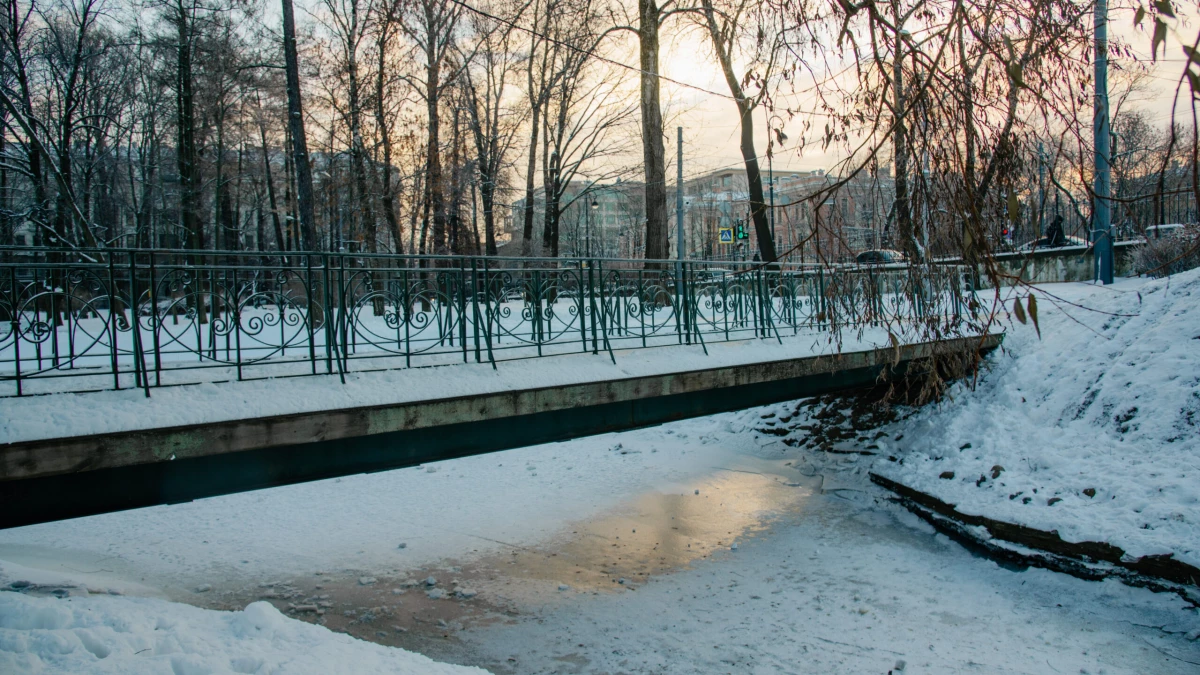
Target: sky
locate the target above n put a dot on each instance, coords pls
(711, 122)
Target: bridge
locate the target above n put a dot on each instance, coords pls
(573, 347)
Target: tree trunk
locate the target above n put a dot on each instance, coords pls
(487, 197)
(531, 169)
(188, 159)
(433, 159)
(280, 241)
(357, 149)
(653, 153)
(304, 181)
(385, 193)
(758, 209)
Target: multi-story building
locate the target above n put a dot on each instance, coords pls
(598, 220)
(814, 217)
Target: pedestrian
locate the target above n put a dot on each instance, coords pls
(1054, 233)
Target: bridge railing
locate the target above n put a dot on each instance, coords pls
(74, 320)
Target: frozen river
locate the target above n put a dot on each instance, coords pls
(702, 546)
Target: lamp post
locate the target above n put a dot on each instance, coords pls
(1102, 219)
(595, 205)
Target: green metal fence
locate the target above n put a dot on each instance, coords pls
(80, 320)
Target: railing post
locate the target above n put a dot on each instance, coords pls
(591, 285)
(155, 323)
(641, 291)
(475, 305)
(139, 361)
(16, 325)
(725, 303)
(342, 333)
(462, 307)
(822, 316)
(537, 309)
(406, 317)
(113, 303)
(487, 312)
(604, 316)
(327, 309)
(581, 265)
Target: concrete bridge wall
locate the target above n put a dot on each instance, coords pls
(1075, 263)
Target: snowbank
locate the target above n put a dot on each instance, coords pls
(1092, 430)
(142, 635)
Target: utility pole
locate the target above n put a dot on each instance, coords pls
(679, 191)
(899, 133)
(1102, 218)
(679, 228)
(771, 177)
(1041, 224)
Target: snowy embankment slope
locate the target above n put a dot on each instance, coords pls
(1092, 431)
(143, 635)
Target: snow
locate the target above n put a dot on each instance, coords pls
(1092, 430)
(852, 587)
(475, 505)
(131, 636)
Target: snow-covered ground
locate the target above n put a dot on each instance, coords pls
(473, 505)
(1092, 430)
(852, 588)
(135, 636)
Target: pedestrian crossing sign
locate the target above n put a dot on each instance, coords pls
(725, 235)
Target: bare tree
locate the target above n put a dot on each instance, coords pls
(299, 141)
(432, 25)
(731, 26)
(494, 121)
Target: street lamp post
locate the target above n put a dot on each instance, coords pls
(1102, 223)
(595, 205)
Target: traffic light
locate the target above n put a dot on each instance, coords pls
(740, 231)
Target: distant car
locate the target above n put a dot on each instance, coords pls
(881, 256)
(712, 274)
(1160, 231)
(1044, 242)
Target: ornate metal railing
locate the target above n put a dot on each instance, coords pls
(73, 320)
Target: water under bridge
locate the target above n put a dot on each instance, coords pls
(369, 363)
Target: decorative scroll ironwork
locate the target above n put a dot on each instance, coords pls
(85, 320)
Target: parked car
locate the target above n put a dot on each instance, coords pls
(881, 256)
(1044, 242)
(712, 274)
(1160, 231)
